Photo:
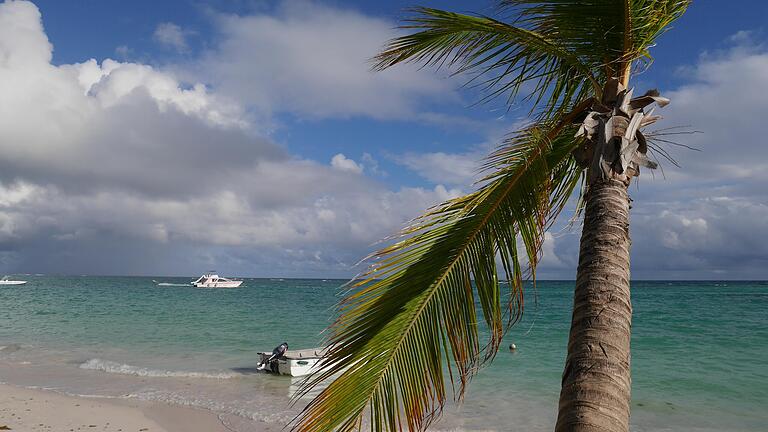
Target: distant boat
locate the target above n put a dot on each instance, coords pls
(6, 281)
(212, 280)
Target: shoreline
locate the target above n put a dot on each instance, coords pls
(26, 410)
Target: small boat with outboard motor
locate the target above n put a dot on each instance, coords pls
(212, 280)
(295, 363)
(6, 281)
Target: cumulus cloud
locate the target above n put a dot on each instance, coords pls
(314, 60)
(120, 125)
(172, 36)
(724, 101)
(707, 238)
(342, 163)
(120, 167)
(370, 163)
(549, 257)
(459, 169)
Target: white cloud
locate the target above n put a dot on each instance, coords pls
(459, 169)
(724, 100)
(549, 257)
(742, 37)
(314, 60)
(123, 51)
(342, 163)
(372, 165)
(172, 36)
(714, 237)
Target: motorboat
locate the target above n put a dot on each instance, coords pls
(295, 363)
(6, 281)
(212, 280)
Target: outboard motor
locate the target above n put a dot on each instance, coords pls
(276, 354)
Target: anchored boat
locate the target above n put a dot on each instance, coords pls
(212, 280)
(294, 363)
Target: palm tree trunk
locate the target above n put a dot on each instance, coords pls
(596, 383)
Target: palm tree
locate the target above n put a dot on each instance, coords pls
(414, 313)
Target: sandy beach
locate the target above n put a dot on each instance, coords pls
(27, 410)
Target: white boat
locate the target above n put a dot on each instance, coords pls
(6, 281)
(212, 280)
(294, 363)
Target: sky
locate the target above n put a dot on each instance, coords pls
(252, 137)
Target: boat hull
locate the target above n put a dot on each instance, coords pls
(10, 282)
(229, 284)
(296, 367)
(294, 363)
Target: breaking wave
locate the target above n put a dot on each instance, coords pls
(126, 369)
(10, 348)
(171, 284)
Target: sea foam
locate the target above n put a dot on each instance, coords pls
(10, 348)
(126, 369)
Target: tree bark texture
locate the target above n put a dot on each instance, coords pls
(595, 394)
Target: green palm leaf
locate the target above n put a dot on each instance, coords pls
(399, 311)
(503, 57)
(607, 35)
(565, 48)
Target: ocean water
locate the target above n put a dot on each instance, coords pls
(699, 350)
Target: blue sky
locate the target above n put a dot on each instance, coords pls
(268, 111)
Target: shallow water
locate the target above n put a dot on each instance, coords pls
(699, 349)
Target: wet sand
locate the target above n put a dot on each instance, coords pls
(28, 410)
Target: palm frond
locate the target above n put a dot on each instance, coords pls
(503, 57)
(564, 49)
(416, 310)
(605, 34)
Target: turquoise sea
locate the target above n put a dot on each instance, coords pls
(699, 349)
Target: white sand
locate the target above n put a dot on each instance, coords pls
(25, 410)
